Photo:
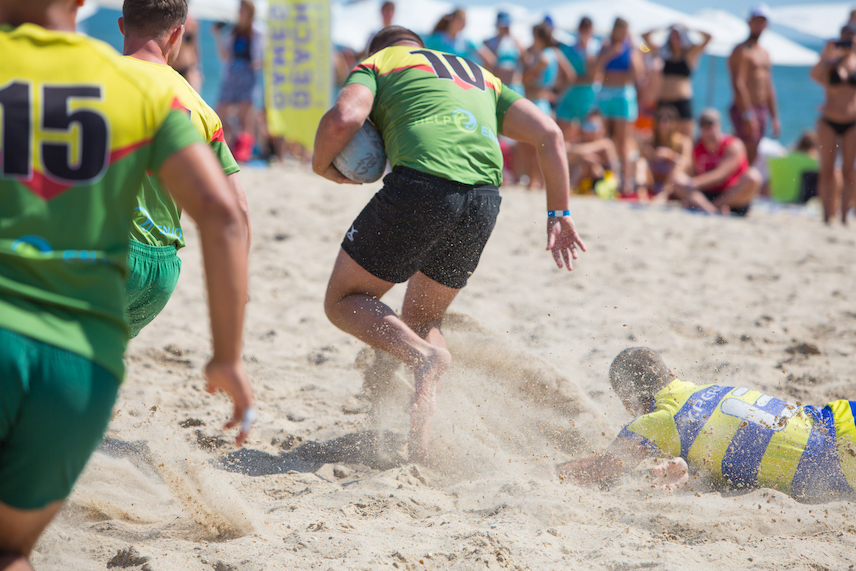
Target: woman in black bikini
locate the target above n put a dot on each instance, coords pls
(680, 57)
(836, 72)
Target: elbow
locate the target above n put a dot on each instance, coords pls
(552, 136)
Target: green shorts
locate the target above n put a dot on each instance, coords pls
(54, 408)
(154, 274)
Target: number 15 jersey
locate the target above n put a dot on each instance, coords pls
(78, 131)
(438, 113)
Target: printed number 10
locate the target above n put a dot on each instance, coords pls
(477, 79)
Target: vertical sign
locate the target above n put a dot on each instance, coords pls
(298, 68)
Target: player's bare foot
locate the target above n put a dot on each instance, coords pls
(428, 377)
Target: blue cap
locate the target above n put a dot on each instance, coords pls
(503, 19)
(549, 20)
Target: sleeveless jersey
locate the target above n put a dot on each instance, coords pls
(705, 161)
(79, 132)
(438, 113)
(506, 51)
(749, 439)
(157, 218)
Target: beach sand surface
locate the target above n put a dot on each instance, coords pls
(323, 481)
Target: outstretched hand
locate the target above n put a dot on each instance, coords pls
(670, 475)
(232, 379)
(563, 241)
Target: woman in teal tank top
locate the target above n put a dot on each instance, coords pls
(576, 103)
(545, 74)
(507, 52)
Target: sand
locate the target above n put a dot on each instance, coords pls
(323, 481)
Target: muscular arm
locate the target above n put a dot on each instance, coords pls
(729, 165)
(525, 122)
(196, 182)
(338, 126)
(238, 192)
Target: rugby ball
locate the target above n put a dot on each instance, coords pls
(363, 159)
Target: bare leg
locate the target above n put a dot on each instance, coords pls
(622, 144)
(19, 531)
(848, 156)
(353, 305)
(828, 144)
(742, 193)
(425, 304)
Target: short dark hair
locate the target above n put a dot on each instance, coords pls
(390, 35)
(585, 23)
(153, 18)
(637, 374)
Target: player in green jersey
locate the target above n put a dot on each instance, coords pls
(734, 436)
(78, 131)
(439, 116)
(153, 31)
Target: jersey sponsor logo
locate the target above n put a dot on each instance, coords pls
(464, 120)
(144, 221)
(691, 418)
(36, 247)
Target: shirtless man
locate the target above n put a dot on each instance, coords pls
(751, 78)
(429, 223)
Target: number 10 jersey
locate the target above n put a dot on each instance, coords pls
(78, 131)
(438, 113)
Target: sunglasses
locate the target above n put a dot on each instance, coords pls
(706, 124)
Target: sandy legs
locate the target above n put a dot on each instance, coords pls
(19, 531)
(353, 304)
(740, 194)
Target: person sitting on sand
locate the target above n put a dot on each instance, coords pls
(738, 437)
(668, 156)
(437, 209)
(723, 182)
(593, 159)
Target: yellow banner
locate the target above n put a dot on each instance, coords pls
(298, 68)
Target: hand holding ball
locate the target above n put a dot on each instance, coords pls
(363, 159)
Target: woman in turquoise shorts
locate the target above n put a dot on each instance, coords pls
(579, 99)
(545, 73)
(619, 64)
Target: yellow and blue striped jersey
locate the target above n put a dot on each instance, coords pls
(746, 439)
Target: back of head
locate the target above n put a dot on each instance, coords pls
(637, 374)
(391, 35)
(153, 18)
(807, 142)
(544, 33)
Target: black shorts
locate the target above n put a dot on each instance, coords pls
(420, 222)
(684, 107)
(735, 210)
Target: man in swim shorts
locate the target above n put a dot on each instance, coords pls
(752, 80)
(153, 34)
(439, 116)
(69, 187)
(724, 183)
(735, 437)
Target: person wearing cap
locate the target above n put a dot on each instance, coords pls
(506, 51)
(836, 72)
(723, 181)
(754, 104)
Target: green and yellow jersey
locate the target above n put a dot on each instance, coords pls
(78, 131)
(438, 113)
(748, 439)
(157, 218)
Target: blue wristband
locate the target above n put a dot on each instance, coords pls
(555, 213)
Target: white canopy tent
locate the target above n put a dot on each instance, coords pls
(216, 10)
(819, 20)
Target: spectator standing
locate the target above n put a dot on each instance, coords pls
(507, 52)
(188, 62)
(447, 37)
(241, 52)
(836, 127)
(577, 102)
(680, 58)
(619, 65)
(752, 80)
